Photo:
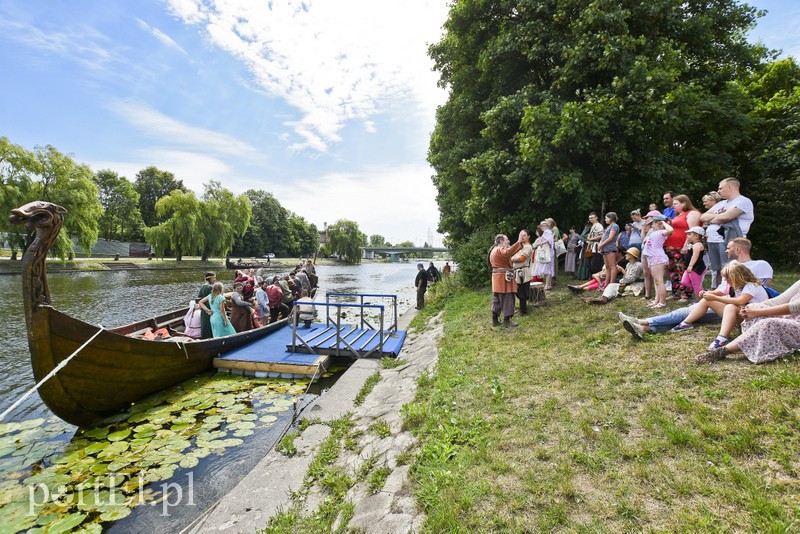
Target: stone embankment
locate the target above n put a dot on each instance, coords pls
(274, 484)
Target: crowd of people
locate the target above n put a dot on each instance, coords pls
(667, 251)
(256, 300)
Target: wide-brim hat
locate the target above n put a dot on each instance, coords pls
(633, 251)
(544, 223)
(652, 213)
(659, 217)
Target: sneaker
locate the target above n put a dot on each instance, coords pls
(509, 324)
(712, 355)
(632, 325)
(682, 326)
(717, 343)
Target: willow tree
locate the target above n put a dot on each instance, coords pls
(224, 217)
(346, 240)
(180, 232)
(557, 106)
(46, 174)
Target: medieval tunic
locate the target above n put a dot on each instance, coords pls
(502, 289)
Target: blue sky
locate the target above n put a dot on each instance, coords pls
(327, 104)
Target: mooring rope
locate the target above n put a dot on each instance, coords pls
(50, 375)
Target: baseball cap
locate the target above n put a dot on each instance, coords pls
(696, 230)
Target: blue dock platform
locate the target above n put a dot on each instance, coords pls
(351, 341)
(271, 356)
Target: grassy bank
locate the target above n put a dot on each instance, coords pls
(566, 423)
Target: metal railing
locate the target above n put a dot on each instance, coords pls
(341, 343)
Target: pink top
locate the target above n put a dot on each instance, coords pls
(654, 248)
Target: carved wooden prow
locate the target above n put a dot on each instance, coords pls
(46, 218)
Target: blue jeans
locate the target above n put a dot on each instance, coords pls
(664, 322)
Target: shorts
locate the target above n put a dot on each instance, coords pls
(657, 260)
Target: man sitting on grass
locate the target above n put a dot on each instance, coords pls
(739, 250)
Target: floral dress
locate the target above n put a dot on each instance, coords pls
(768, 338)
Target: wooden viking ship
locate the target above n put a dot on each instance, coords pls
(254, 264)
(114, 369)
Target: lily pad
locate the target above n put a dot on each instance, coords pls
(97, 433)
(67, 523)
(114, 449)
(180, 427)
(267, 418)
(99, 446)
(189, 461)
(243, 433)
(119, 435)
(115, 513)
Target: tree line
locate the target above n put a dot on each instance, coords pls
(155, 207)
(560, 107)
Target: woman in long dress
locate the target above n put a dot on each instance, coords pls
(205, 319)
(546, 270)
(216, 304)
(770, 330)
(572, 251)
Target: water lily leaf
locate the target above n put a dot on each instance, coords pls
(99, 469)
(115, 514)
(242, 425)
(97, 433)
(96, 447)
(139, 417)
(114, 449)
(119, 463)
(249, 417)
(8, 428)
(46, 519)
(232, 442)
(117, 418)
(213, 419)
(201, 452)
(31, 423)
(180, 427)
(91, 528)
(157, 474)
(275, 409)
(5, 451)
(119, 435)
(189, 461)
(243, 433)
(67, 523)
(49, 478)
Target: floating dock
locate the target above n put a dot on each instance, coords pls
(271, 356)
(351, 341)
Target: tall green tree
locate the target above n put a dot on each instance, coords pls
(377, 240)
(181, 229)
(121, 218)
(268, 230)
(304, 237)
(770, 162)
(346, 240)
(152, 184)
(16, 181)
(557, 106)
(224, 217)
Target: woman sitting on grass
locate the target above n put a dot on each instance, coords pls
(770, 330)
(745, 288)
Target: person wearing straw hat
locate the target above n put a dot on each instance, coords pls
(545, 256)
(631, 282)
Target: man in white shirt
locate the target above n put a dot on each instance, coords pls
(737, 209)
(739, 250)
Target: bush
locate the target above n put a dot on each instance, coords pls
(472, 259)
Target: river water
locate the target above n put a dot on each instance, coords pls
(113, 298)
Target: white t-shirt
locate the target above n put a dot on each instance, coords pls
(747, 216)
(760, 268)
(757, 291)
(712, 236)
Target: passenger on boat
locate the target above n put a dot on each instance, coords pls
(288, 297)
(241, 310)
(248, 285)
(192, 321)
(277, 309)
(304, 280)
(205, 319)
(214, 306)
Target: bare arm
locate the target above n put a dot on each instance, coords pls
(748, 312)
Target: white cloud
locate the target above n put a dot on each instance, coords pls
(396, 202)
(161, 36)
(332, 61)
(175, 133)
(82, 45)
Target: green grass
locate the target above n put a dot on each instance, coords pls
(367, 388)
(567, 423)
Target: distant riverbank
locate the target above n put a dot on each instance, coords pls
(106, 264)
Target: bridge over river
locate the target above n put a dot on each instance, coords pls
(395, 252)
